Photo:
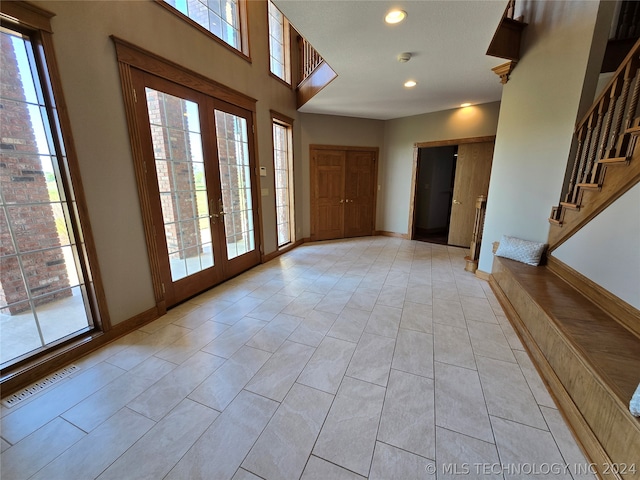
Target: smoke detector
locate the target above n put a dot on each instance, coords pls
(404, 57)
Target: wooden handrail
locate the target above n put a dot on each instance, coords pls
(604, 134)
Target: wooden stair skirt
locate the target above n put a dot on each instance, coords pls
(589, 361)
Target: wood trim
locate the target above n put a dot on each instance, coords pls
(625, 314)
(147, 61)
(258, 181)
(322, 76)
(128, 94)
(618, 181)
(483, 275)
(383, 233)
(275, 115)
(27, 14)
(582, 433)
(72, 352)
(458, 141)
(244, 51)
(343, 147)
(36, 20)
(285, 120)
(414, 189)
(592, 390)
(414, 172)
(93, 278)
(287, 248)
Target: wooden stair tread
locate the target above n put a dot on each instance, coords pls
(589, 186)
(570, 206)
(554, 221)
(614, 161)
(612, 351)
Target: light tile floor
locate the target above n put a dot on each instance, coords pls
(371, 358)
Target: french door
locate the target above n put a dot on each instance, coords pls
(200, 185)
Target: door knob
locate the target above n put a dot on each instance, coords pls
(456, 202)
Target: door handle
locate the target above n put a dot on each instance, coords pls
(220, 208)
(456, 202)
(212, 216)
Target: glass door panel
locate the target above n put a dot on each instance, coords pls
(180, 172)
(197, 182)
(235, 182)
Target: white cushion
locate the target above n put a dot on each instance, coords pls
(524, 251)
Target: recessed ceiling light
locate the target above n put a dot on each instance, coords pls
(410, 84)
(465, 105)
(395, 16)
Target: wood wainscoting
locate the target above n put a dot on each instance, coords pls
(589, 361)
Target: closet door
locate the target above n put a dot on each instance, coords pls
(473, 170)
(327, 194)
(360, 190)
(343, 191)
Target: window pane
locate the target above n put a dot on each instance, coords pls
(220, 17)
(277, 47)
(282, 173)
(177, 146)
(41, 289)
(235, 179)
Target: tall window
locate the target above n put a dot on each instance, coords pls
(278, 44)
(43, 288)
(223, 18)
(283, 172)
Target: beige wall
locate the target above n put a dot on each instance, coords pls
(91, 85)
(539, 109)
(400, 136)
(330, 130)
(606, 250)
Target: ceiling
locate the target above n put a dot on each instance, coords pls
(448, 40)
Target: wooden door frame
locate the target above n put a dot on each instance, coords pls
(345, 148)
(414, 172)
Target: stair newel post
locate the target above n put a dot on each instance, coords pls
(603, 106)
(476, 238)
(574, 172)
(583, 158)
(624, 97)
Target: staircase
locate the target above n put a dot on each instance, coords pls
(584, 341)
(605, 165)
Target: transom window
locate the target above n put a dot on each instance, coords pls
(222, 18)
(278, 44)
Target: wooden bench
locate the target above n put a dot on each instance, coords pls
(589, 360)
